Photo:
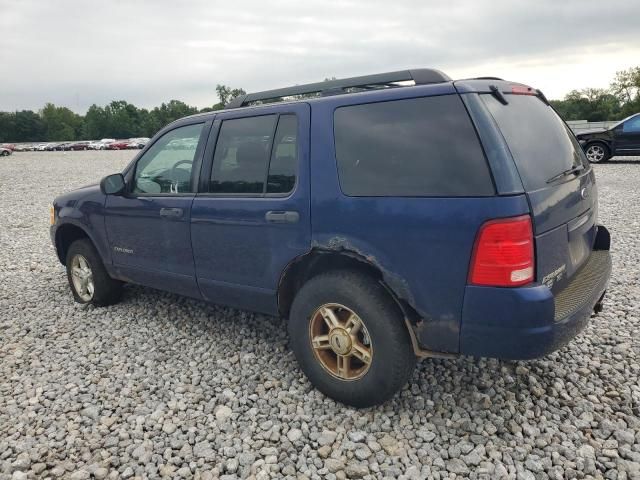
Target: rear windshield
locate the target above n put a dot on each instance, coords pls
(411, 147)
(541, 144)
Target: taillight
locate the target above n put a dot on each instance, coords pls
(522, 90)
(503, 253)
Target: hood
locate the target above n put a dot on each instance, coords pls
(70, 198)
(590, 131)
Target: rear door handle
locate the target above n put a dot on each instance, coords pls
(171, 212)
(282, 216)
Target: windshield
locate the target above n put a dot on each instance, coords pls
(622, 121)
(540, 142)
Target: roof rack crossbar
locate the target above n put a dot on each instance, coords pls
(421, 76)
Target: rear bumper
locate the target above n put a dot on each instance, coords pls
(529, 322)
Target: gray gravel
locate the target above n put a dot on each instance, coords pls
(165, 386)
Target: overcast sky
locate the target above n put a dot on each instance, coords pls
(76, 53)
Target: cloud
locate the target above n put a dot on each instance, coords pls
(76, 53)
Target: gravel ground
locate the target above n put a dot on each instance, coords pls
(166, 386)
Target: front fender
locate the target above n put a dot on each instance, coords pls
(87, 214)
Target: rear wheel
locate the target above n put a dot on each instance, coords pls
(349, 338)
(597, 152)
(88, 279)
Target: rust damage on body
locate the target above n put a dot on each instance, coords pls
(397, 287)
(341, 245)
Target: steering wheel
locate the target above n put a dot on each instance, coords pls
(175, 167)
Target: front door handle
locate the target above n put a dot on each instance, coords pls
(171, 212)
(282, 216)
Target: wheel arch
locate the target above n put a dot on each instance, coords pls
(320, 260)
(66, 234)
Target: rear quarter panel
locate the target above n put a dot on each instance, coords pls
(422, 245)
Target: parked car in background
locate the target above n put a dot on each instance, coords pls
(83, 145)
(118, 145)
(60, 147)
(101, 144)
(384, 222)
(5, 152)
(137, 142)
(622, 139)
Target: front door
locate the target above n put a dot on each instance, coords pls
(148, 228)
(251, 217)
(628, 137)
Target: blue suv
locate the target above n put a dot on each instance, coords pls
(388, 217)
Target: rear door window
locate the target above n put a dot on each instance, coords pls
(411, 147)
(541, 144)
(242, 155)
(256, 156)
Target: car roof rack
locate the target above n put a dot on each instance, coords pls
(420, 76)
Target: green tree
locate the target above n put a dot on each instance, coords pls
(626, 87)
(8, 127)
(226, 94)
(96, 123)
(592, 104)
(165, 114)
(61, 123)
(29, 126)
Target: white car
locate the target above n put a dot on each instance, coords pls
(5, 152)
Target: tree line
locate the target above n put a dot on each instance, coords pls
(118, 119)
(620, 100)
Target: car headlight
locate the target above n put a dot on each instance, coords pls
(52, 215)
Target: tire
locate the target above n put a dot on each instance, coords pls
(5, 153)
(391, 358)
(88, 279)
(597, 152)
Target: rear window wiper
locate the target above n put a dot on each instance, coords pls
(495, 91)
(570, 171)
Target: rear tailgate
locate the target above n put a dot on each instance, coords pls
(557, 178)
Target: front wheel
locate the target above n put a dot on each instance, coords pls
(597, 153)
(88, 279)
(349, 338)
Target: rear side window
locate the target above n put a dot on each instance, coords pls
(242, 154)
(541, 144)
(282, 169)
(256, 155)
(414, 147)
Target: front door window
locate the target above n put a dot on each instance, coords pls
(166, 167)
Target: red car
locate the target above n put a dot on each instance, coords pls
(118, 145)
(8, 146)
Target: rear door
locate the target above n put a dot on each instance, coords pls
(251, 216)
(557, 178)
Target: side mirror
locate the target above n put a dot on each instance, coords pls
(112, 184)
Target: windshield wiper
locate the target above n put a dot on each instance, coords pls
(570, 171)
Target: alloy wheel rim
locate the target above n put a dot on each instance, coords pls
(82, 277)
(340, 341)
(595, 153)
